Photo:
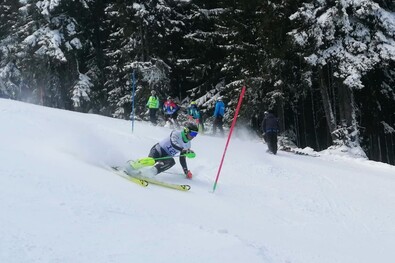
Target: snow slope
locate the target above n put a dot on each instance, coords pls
(60, 203)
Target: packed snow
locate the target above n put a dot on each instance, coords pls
(60, 202)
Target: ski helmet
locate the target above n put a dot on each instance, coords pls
(190, 129)
(153, 92)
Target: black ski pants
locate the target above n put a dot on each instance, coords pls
(163, 164)
(271, 140)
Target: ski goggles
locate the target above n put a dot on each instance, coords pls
(193, 133)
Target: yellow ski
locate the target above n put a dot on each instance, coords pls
(181, 187)
(123, 174)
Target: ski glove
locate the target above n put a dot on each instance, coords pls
(188, 174)
(189, 153)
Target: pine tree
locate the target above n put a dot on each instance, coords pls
(47, 39)
(340, 37)
(144, 37)
(9, 73)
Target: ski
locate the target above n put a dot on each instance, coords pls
(181, 187)
(119, 171)
(145, 181)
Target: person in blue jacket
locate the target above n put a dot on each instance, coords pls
(219, 113)
(270, 128)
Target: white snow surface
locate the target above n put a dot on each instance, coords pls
(59, 201)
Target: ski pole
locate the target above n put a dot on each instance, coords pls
(167, 157)
(151, 160)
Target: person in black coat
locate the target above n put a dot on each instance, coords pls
(270, 128)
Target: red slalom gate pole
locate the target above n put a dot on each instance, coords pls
(230, 134)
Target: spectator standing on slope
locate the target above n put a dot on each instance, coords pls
(153, 106)
(219, 113)
(270, 128)
(195, 115)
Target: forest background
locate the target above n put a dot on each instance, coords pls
(325, 68)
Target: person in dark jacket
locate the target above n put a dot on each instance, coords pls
(270, 128)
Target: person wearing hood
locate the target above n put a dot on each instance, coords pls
(270, 128)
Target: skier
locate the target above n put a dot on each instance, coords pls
(218, 116)
(177, 142)
(153, 106)
(195, 115)
(270, 128)
(170, 109)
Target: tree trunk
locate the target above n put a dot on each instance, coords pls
(298, 129)
(282, 118)
(387, 153)
(330, 119)
(347, 114)
(317, 144)
(345, 105)
(304, 124)
(379, 148)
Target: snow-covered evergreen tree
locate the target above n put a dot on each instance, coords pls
(349, 38)
(9, 73)
(47, 39)
(144, 34)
